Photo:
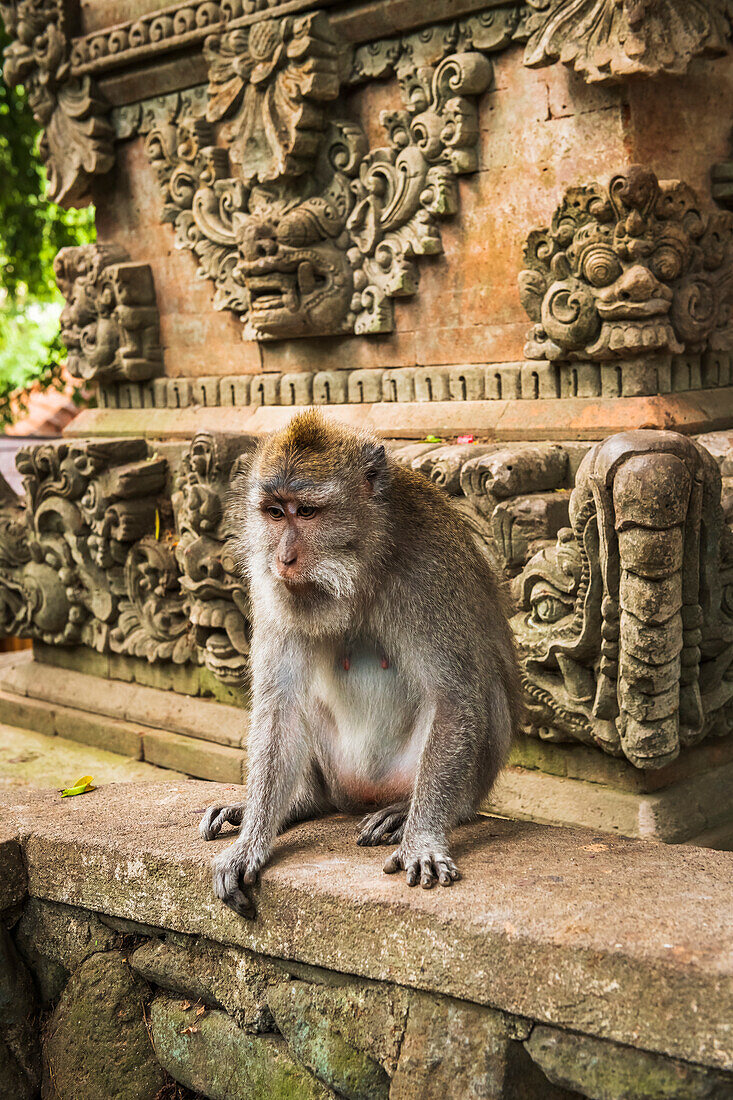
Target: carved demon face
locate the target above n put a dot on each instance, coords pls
(294, 268)
(636, 270)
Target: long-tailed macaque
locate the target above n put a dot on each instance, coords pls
(384, 678)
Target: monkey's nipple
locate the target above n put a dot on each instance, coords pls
(346, 662)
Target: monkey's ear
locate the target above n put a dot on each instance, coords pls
(375, 467)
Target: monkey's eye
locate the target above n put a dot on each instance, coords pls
(307, 511)
(274, 511)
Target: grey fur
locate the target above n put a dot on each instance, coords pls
(393, 571)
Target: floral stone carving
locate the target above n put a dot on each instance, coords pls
(77, 141)
(612, 39)
(301, 228)
(272, 77)
(625, 636)
(110, 321)
(634, 269)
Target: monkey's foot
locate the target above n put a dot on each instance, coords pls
(385, 826)
(235, 874)
(217, 816)
(423, 863)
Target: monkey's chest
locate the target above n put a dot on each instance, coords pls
(368, 743)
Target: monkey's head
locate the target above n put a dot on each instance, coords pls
(313, 520)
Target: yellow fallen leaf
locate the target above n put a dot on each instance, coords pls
(157, 524)
(80, 787)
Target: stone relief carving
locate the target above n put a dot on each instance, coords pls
(301, 228)
(63, 551)
(625, 584)
(632, 270)
(110, 321)
(216, 599)
(77, 140)
(625, 635)
(609, 40)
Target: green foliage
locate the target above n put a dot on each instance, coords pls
(32, 230)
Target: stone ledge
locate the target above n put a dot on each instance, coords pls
(605, 936)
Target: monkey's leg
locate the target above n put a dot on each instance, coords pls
(384, 826)
(445, 774)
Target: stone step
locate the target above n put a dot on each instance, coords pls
(203, 719)
(192, 736)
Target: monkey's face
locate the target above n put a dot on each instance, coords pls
(311, 539)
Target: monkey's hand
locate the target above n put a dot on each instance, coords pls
(217, 816)
(235, 874)
(423, 862)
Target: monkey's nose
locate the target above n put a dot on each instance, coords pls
(287, 557)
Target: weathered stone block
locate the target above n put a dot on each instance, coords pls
(54, 939)
(97, 1042)
(202, 759)
(223, 977)
(12, 871)
(318, 1041)
(20, 1056)
(210, 1054)
(608, 1071)
(454, 1049)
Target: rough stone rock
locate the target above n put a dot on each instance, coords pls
(211, 1055)
(12, 871)
(20, 1056)
(54, 939)
(98, 1044)
(458, 1051)
(608, 1071)
(370, 1016)
(220, 976)
(318, 1040)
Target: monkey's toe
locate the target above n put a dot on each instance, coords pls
(384, 826)
(425, 868)
(216, 817)
(233, 879)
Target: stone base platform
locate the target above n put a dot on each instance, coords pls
(564, 963)
(688, 802)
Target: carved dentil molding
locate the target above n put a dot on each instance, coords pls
(612, 39)
(77, 139)
(110, 322)
(635, 269)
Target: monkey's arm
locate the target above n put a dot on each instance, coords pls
(276, 755)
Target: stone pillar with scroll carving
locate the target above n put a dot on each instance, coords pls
(499, 233)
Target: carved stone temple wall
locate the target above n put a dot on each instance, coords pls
(498, 233)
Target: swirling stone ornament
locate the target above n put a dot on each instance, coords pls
(303, 229)
(632, 270)
(612, 39)
(77, 142)
(625, 635)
